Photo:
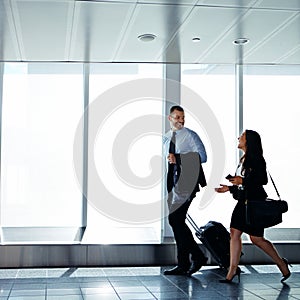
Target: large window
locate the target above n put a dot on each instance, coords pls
(118, 140)
(271, 96)
(211, 113)
(125, 126)
(41, 107)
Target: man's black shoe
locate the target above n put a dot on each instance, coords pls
(175, 271)
(196, 266)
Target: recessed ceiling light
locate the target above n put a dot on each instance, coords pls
(147, 37)
(241, 41)
(196, 39)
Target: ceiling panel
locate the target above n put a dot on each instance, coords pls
(160, 20)
(253, 26)
(98, 29)
(279, 4)
(291, 58)
(278, 44)
(176, 2)
(109, 1)
(107, 31)
(42, 28)
(9, 49)
(210, 25)
(228, 3)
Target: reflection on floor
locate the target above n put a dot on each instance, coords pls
(257, 282)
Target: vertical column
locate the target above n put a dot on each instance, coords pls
(172, 96)
(172, 90)
(86, 93)
(239, 98)
(1, 98)
(239, 95)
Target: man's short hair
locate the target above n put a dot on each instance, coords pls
(176, 107)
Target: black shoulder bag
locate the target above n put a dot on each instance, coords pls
(265, 213)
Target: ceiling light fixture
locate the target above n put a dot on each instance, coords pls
(241, 41)
(196, 39)
(147, 37)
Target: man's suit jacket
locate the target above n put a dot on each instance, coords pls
(189, 174)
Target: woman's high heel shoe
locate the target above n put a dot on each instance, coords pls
(285, 277)
(237, 273)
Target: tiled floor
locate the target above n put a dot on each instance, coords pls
(257, 282)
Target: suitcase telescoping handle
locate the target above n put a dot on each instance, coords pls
(192, 222)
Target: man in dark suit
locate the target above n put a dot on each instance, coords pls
(185, 153)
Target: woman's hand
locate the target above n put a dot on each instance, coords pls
(223, 189)
(236, 180)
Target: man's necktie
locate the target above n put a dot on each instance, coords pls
(172, 167)
(172, 143)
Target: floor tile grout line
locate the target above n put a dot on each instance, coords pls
(271, 284)
(113, 287)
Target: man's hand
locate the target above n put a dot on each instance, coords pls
(171, 158)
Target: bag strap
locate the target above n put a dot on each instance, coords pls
(278, 195)
(274, 186)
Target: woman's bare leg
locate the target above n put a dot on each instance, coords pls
(269, 249)
(235, 251)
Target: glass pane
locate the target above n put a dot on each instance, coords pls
(271, 96)
(210, 111)
(42, 104)
(124, 179)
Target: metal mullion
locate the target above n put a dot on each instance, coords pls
(239, 104)
(1, 99)
(172, 96)
(86, 86)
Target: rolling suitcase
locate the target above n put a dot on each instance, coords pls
(216, 239)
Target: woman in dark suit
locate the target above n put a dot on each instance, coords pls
(250, 177)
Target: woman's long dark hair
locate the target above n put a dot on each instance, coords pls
(254, 150)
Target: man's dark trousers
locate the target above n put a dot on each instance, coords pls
(185, 242)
